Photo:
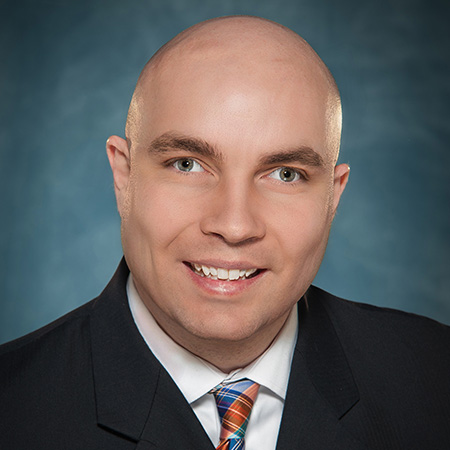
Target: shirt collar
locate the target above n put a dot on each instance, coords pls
(196, 377)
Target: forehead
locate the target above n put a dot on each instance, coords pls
(223, 96)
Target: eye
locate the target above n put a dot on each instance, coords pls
(285, 174)
(188, 165)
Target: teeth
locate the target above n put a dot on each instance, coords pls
(222, 274)
(249, 272)
(233, 274)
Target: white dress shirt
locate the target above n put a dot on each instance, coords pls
(195, 377)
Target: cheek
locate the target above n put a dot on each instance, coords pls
(157, 214)
(302, 233)
(304, 220)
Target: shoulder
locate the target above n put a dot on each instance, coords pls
(387, 348)
(392, 354)
(47, 359)
(400, 364)
(69, 329)
(382, 340)
(70, 326)
(355, 320)
(43, 371)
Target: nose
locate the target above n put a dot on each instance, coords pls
(234, 213)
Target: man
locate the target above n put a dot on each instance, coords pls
(227, 186)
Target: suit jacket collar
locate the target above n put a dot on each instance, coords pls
(136, 398)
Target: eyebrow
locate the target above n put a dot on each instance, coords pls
(303, 155)
(172, 141)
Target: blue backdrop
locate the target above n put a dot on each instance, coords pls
(67, 71)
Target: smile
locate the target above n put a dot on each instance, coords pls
(219, 273)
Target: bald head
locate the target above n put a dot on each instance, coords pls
(238, 52)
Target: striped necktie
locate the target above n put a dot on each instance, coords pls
(234, 403)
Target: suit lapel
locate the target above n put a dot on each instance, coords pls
(135, 397)
(321, 387)
(171, 423)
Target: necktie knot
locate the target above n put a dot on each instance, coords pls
(234, 403)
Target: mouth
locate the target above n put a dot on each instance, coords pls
(223, 274)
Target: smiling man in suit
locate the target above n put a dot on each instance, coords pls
(210, 334)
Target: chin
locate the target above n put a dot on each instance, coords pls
(221, 330)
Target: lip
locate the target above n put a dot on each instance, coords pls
(241, 265)
(224, 287)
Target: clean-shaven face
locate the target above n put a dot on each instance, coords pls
(231, 191)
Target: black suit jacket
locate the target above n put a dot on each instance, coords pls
(361, 378)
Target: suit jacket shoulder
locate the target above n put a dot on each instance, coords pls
(374, 378)
(411, 349)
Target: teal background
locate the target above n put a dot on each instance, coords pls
(67, 72)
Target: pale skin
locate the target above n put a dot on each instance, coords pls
(229, 163)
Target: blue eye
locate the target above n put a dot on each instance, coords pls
(285, 174)
(187, 165)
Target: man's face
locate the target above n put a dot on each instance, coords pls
(229, 201)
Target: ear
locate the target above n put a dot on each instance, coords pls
(341, 173)
(119, 160)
